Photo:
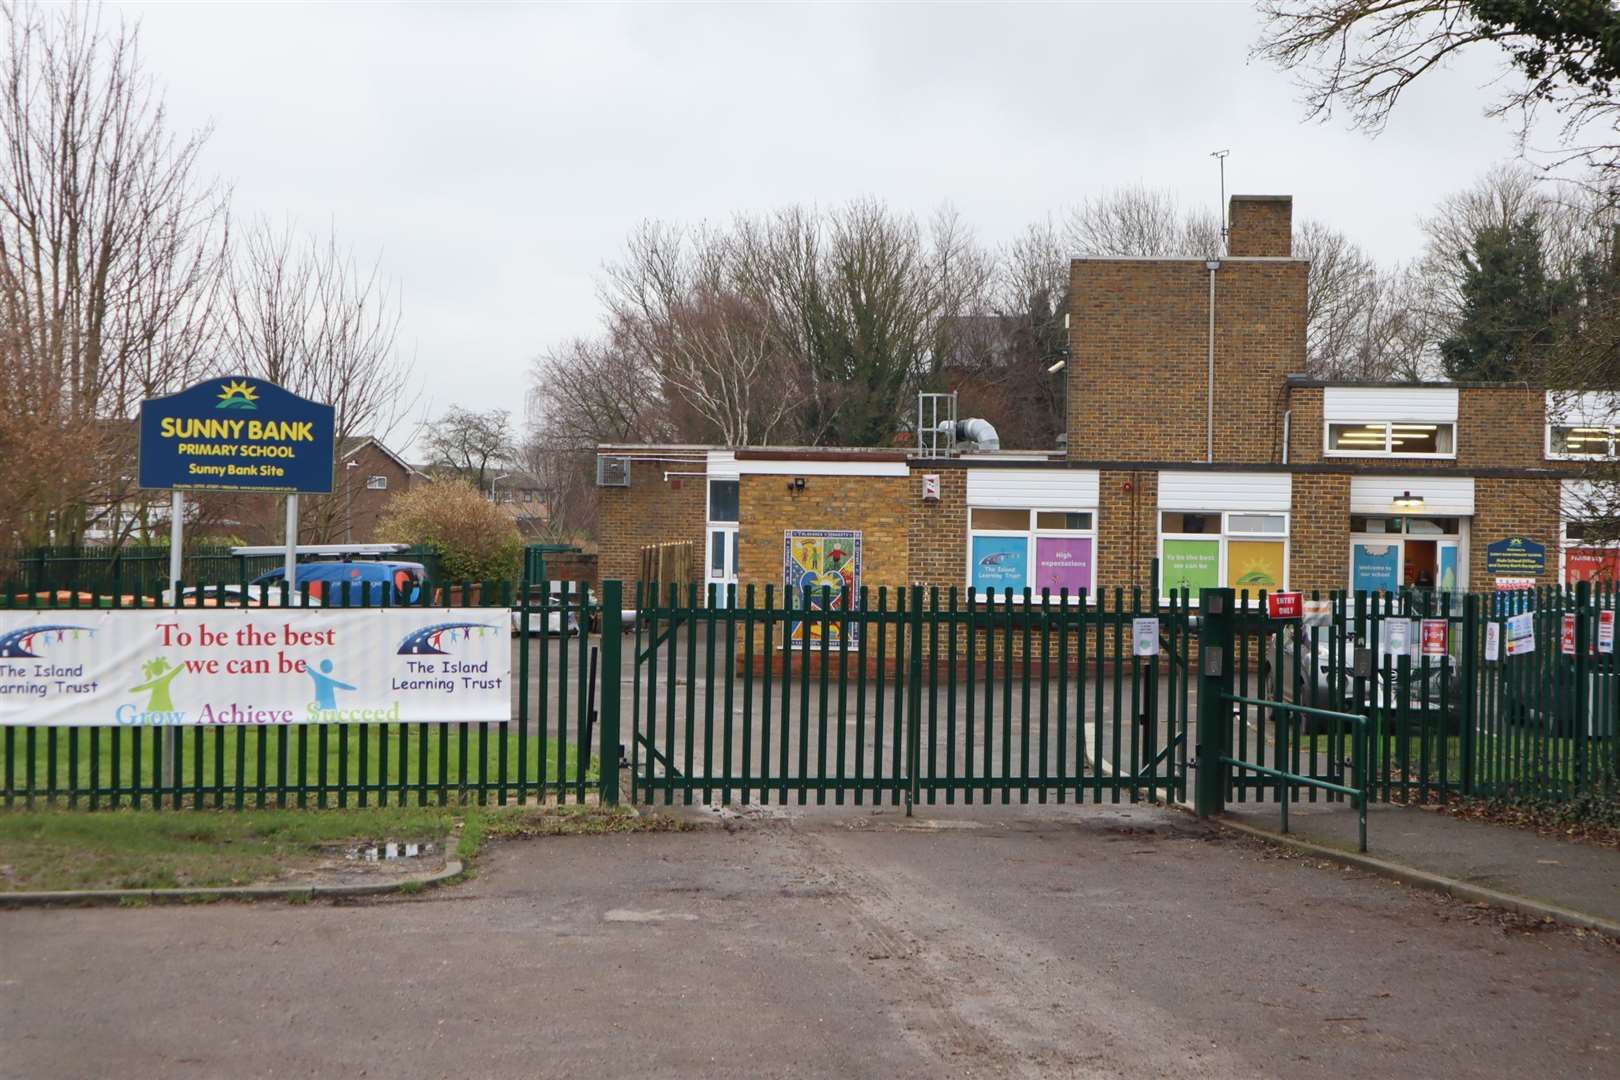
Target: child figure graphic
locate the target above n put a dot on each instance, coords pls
(158, 677)
(326, 687)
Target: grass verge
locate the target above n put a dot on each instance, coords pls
(124, 849)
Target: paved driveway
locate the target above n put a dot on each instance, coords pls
(1006, 942)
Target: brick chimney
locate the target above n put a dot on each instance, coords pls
(1260, 225)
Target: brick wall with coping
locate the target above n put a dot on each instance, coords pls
(1138, 375)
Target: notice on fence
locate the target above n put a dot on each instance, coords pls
(1397, 637)
(1318, 613)
(1605, 632)
(1521, 634)
(1434, 637)
(1144, 637)
(1493, 641)
(254, 667)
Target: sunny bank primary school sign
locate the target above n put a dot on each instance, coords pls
(236, 433)
(247, 667)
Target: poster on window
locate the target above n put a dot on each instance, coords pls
(1191, 565)
(1374, 567)
(1000, 562)
(1254, 565)
(1063, 562)
(1447, 581)
(821, 571)
(1600, 566)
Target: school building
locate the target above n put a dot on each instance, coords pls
(1192, 441)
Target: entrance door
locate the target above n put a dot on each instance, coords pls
(722, 559)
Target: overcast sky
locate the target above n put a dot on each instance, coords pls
(493, 156)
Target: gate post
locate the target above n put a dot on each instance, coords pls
(1468, 686)
(914, 698)
(1214, 711)
(1580, 727)
(612, 624)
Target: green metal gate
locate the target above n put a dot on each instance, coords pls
(916, 696)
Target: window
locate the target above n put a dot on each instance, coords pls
(1392, 438)
(723, 498)
(1565, 441)
(1033, 549)
(376, 483)
(1209, 549)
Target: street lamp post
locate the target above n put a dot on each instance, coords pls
(348, 509)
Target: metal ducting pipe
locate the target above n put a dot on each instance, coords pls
(981, 433)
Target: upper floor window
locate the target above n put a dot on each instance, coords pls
(1569, 441)
(1392, 438)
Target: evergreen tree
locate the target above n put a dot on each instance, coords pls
(1509, 306)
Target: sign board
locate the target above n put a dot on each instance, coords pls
(1518, 556)
(1515, 584)
(1285, 605)
(1145, 637)
(1318, 613)
(1397, 637)
(1605, 632)
(1434, 637)
(236, 434)
(1493, 641)
(1566, 635)
(1521, 634)
(254, 667)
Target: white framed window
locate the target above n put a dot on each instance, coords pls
(1246, 550)
(1390, 438)
(1032, 547)
(1570, 441)
(376, 483)
(1407, 551)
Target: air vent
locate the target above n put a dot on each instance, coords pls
(612, 472)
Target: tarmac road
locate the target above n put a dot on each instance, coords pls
(1033, 942)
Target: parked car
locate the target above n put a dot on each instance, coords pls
(1315, 685)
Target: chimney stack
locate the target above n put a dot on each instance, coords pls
(1260, 225)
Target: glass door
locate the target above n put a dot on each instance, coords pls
(722, 560)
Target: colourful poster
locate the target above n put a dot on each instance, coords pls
(1000, 562)
(254, 667)
(1063, 562)
(1448, 568)
(1254, 565)
(1374, 567)
(1191, 565)
(1600, 566)
(1521, 634)
(821, 570)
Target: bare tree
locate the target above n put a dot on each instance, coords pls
(300, 312)
(1145, 222)
(110, 241)
(679, 298)
(466, 444)
(1363, 55)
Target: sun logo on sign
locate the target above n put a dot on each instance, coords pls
(237, 395)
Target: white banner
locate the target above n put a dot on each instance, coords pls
(254, 667)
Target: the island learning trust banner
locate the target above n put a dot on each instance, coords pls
(254, 667)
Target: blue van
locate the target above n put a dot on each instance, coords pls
(371, 584)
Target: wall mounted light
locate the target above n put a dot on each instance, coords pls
(796, 484)
(1408, 501)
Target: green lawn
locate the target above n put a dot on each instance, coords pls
(383, 744)
(125, 849)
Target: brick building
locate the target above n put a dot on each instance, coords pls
(1194, 447)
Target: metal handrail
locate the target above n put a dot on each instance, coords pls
(1358, 762)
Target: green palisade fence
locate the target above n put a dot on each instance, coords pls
(906, 696)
